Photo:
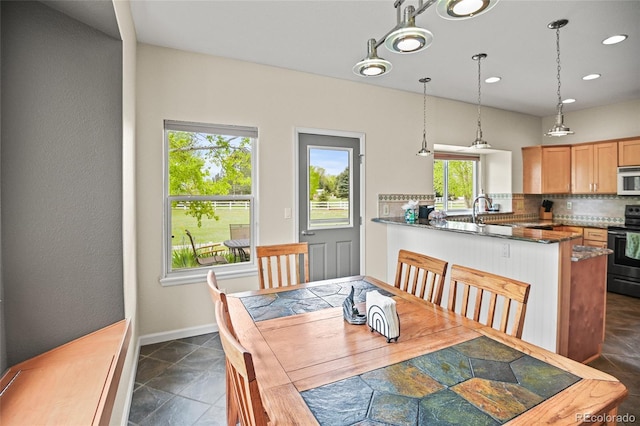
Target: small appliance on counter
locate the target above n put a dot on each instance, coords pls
(424, 211)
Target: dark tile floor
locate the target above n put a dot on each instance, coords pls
(181, 382)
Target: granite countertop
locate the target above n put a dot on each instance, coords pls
(505, 230)
(585, 252)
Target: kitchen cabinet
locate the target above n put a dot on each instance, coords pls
(594, 237)
(629, 152)
(546, 169)
(594, 168)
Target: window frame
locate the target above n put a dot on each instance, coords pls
(170, 277)
(448, 156)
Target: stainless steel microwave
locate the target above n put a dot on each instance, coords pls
(629, 180)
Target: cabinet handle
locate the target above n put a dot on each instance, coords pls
(595, 187)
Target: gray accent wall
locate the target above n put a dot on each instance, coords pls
(61, 179)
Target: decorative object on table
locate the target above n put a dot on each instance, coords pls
(410, 209)
(350, 312)
(382, 315)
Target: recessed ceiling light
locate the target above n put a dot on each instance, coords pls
(568, 101)
(615, 39)
(591, 76)
(493, 79)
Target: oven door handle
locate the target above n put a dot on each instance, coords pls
(617, 233)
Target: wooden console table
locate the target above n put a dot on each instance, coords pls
(73, 384)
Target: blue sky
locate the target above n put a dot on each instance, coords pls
(331, 160)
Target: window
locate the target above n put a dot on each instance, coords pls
(454, 181)
(209, 200)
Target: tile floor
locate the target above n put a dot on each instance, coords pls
(181, 382)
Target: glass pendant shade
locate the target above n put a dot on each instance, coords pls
(372, 65)
(463, 9)
(408, 38)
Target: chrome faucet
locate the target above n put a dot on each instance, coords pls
(474, 216)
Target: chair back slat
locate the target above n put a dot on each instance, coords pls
(279, 265)
(513, 292)
(241, 375)
(421, 275)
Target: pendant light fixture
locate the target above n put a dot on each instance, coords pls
(406, 37)
(479, 143)
(424, 151)
(558, 129)
(372, 65)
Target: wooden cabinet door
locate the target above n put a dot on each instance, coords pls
(605, 167)
(556, 169)
(629, 153)
(532, 170)
(582, 169)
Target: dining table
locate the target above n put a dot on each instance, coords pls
(314, 367)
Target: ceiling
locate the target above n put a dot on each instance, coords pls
(328, 37)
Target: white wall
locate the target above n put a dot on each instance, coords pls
(120, 413)
(620, 120)
(185, 86)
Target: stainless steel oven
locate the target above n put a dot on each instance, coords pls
(623, 273)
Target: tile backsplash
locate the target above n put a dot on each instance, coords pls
(608, 209)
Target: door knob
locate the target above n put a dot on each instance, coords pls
(308, 233)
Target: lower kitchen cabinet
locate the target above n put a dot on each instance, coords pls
(583, 303)
(594, 237)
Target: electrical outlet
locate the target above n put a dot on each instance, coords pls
(569, 205)
(385, 210)
(506, 252)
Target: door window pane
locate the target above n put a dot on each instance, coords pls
(329, 187)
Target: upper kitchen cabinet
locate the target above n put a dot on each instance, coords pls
(629, 152)
(546, 169)
(594, 168)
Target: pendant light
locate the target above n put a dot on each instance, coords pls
(424, 152)
(558, 129)
(479, 143)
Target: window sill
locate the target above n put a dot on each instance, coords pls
(200, 275)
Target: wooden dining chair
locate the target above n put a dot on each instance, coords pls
(277, 262)
(217, 296)
(498, 287)
(241, 375)
(421, 275)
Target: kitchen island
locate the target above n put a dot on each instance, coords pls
(544, 259)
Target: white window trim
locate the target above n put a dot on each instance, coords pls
(223, 271)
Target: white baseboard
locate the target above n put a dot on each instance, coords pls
(165, 336)
(130, 387)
